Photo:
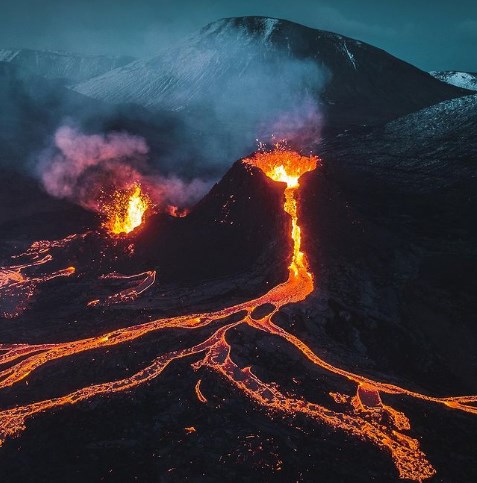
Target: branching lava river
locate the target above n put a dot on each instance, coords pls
(363, 414)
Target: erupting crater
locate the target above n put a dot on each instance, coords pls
(126, 209)
(361, 414)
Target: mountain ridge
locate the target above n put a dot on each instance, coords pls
(365, 85)
(67, 67)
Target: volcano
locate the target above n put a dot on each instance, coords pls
(213, 320)
(311, 316)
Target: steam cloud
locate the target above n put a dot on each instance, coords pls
(268, 95)
(225, 88)
(81, 167)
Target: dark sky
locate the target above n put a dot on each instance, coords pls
(432, 34)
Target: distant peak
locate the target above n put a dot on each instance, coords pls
(260, 26)
(264, 27)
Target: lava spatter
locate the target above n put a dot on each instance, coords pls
(362, 414)
(126, 209)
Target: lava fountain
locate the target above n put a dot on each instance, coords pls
(126, 210)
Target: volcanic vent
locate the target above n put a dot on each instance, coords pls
(126, 210)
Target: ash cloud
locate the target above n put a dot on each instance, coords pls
(84, 167)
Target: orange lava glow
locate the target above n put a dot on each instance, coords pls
(287, 167)
(177, 212)
(126, 210)
(137, 284)
(284, 166)
(361, 414)
(199, 394)
(18, 285)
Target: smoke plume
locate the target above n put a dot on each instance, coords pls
(83, 168)
(227, 86)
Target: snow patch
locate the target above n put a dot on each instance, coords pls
(349, 54)
(269, 24)
(466, 80)
(434, 120)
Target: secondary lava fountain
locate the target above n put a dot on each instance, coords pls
(362, 414)
(126, 210)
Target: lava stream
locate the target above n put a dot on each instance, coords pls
(137, 285)
(363, 414)
(17, 288)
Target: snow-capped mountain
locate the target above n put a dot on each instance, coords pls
(356, 83)
(466, 80)
(64, 66)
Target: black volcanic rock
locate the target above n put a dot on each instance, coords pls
(28, 213)
(427, 154)
(389, 223)
(391, 300)
(238, 227)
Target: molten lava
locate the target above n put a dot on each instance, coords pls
(287, 167)
(284, 166)
(126, 210)
(362, 414)
(177, 212)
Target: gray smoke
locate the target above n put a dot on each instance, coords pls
(225, 88)
(83, 167)
(228, 90)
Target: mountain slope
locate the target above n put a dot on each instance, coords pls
(466, 80)
(363, 84)
(429, 151)
(64, 66)
(389, 218)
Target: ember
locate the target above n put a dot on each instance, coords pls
(177, 212)
(126, 210)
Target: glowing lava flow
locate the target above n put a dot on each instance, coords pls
(177, 212)
(126, 211)
(363, 414)
(17, 288)
(138, 284)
